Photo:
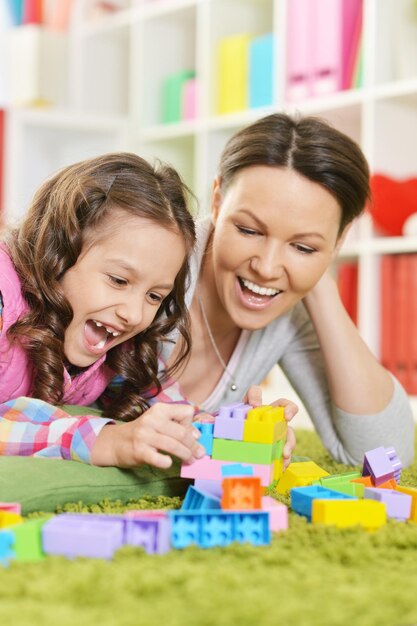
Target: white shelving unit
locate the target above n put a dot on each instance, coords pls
(116, 67)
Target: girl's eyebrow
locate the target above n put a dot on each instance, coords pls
(265, 227)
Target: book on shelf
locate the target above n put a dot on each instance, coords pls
(233, 73)
(347, 280)
(323, 47)
(398, 282)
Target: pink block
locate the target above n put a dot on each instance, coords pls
(148, 513)
(189, 99)
(278, 513)
(10, 507)
(211, 469)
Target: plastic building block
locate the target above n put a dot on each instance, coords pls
(28, 540)
(302, 498)
(83, 535)
(342, 483)
(278, 469)
(206, 438)
(382, 464)
(398, 504)
(152, 532)
(230, 420)
(211, 469)
(6, 547)
(243, 451)
(11, 507)
(261, 55)
(343, 513)
(242, 493)
(265, 424)
(237, 469)
(278, 513)
(219, 528)
(413, 493)
(299, 475)
(8, 518)
(196, 500)
(209, 487)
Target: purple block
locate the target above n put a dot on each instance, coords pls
(152, 533)
(230, 420)
(398, 504)
(377, 464)
(395, 462)
(211, 487)
(92, 536)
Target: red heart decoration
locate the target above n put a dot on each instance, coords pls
(393, 201)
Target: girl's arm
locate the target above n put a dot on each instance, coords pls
(358, 383)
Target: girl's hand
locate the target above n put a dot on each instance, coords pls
(162, 431)
(254, 397)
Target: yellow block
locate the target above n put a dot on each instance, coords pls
(278, 468)
(343, 513)
(300, 475)
(265, 424)
(233, 73)
(7, 518)
(413, 493)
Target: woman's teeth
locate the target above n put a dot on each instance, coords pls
(262, 291)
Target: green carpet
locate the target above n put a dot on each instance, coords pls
(308, 576)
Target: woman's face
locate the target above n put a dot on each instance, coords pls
(276, 233)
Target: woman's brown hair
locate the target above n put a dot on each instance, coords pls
(311, 147)
(49, 241)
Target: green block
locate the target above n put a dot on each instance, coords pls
(172, 91)
(28, 541)
(338, 479)
(243, 451)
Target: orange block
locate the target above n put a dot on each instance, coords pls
(242, 493)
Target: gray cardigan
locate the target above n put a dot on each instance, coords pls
(291, 341)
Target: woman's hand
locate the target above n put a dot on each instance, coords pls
(254, 398)
(162, 431)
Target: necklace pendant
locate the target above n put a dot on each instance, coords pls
(233, 387)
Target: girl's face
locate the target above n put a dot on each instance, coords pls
(276, 233)
(122, 275)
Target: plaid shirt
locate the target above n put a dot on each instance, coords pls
(31, 427)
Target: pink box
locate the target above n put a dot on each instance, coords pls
(211, 469)
(11, 507)
(189, 99)
(278, 513)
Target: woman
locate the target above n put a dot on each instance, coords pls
(286, 194)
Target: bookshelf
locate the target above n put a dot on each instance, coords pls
(116, 67)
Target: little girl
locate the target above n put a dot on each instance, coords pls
(90, 283)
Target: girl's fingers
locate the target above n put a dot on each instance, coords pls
(290, 408)
(254, 396)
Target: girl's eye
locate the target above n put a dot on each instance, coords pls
(304, 249)
(119, 282)
(246, 231)
(155, 297)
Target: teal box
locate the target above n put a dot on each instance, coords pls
(172, 93)
(261, 74)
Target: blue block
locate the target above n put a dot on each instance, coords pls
(302, 498)
(237, 469)
(261, 73)
(6, 547)
(206, 439)
(197, 500)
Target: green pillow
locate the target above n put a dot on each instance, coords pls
(43, 484)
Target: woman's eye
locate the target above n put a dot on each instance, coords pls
(119, 282)
(304, 249)
(246, 231)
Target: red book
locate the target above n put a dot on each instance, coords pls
(387, 312)
(412, 323)
(32, 11)
(399, 291)
(347, 279)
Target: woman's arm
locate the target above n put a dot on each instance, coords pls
(358, 382)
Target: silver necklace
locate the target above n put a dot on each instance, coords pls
(233, 386)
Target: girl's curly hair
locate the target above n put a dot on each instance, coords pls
(49, 241)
